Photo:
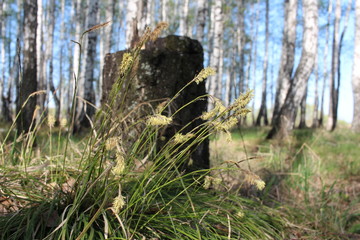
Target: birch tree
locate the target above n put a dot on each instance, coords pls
(85, 106)
(202, 11)
(331, 124)
(355, 70)
(257, 13)
(41, 69)
(215, 56)
(337, 70)
(164, 10)
(315, 117)
(287, 55)
(49, 58)
(105, 40)
(183, 28)
(286, 119)
(3, 9)
(61, 68)
(28, 83)
(263, 109)
(131, 22)
(325, 70)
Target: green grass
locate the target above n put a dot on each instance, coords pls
(103, 185)
(313, 177)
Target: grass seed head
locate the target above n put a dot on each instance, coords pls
(111, 143)
(181, 138)
(63, 122)
(51, 121)
(205, 73)
(158, 29)
(159, 120)
(120, 164)
(255, 180)
(118, 203)
(126, 62)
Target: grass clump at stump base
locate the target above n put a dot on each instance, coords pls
(98, 189)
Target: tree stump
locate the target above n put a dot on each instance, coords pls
(165, 66)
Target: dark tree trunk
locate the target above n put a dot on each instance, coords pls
(28, 83)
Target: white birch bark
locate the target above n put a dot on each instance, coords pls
(355, 71)
(41, 69)
(240, 37)
(255, 59)
(338, 65)
(150, 19)
(78, 29)
(263, 108)
(61, 77)
(215, 56)
(325, 70)
(86, 111)
(202, 10)
(183, 27)
(164, 17)
(131, 21)
(105, 39)
(334, 64)
(3, 9)
(285, 121)
(49, 57)
(287, 55)
(315, 117)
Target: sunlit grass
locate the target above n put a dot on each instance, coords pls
(313, 176)
(104, 186)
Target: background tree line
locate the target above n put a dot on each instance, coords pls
(285, 50)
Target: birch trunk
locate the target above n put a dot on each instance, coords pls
(164, 17)
(105, 40)
(325, 70)
(263, 108)
(3, 50)
(284, 123)
(255, 60)
(315, 120)
(6, 91)
(338, 72)
(202, 11)
(86, 109)
(41, 69)
(183, 28)
(287, 55)
(15, 71)
(49, 51)
(78, 28)
(131, 22)
(241, 44)
(28, 83)
(331, 124)
(61, 76)
(215, 56)
(355, 71)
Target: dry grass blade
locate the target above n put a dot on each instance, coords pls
(96, 27)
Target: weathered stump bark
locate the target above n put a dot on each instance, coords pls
(165, 66)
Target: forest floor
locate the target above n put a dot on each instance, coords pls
(312, 189)
(313, 178)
